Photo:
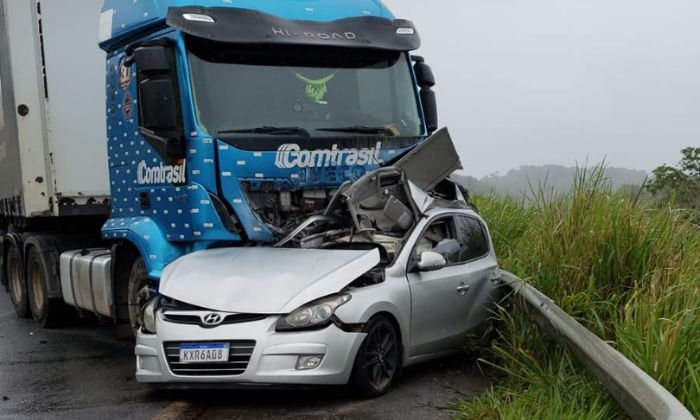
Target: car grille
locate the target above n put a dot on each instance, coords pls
(197, 320)
(239, 355)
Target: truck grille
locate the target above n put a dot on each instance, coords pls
(239, 355)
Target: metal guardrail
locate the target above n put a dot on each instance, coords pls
(637, 392)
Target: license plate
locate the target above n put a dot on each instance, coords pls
(204, 353)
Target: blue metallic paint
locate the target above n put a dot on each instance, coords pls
(181, 219)
(182, 214)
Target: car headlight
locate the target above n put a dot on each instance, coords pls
(314, 315)
(148, 315)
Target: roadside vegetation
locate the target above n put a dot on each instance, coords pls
(626, 266)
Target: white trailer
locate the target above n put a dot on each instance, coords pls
(53, 158)
(54, 185)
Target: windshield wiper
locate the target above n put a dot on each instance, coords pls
(360, 129)
(273, 131)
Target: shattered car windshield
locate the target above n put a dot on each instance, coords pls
(267, 90)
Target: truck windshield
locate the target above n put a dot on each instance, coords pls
(248, 91)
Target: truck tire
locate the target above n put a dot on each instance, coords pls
(138, 293)
(45, 311)
(16, 282)
(3, 260)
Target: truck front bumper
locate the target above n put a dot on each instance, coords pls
(273, 356)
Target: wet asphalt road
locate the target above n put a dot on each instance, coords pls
(82, 372)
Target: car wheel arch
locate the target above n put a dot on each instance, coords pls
(397, 327)
(387, 310)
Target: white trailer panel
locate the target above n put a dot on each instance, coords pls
(75, 71)
(52, 140)
(24, 56)
(10, 177)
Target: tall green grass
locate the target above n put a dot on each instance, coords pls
(628, 270)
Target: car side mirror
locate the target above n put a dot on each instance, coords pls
(160, 115)
(431, 261)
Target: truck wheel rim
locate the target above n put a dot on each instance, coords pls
(37, 280)
(16, 290)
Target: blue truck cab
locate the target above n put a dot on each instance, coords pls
(231, 121)
(228, 123)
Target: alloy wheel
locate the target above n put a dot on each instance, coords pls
(381, 356)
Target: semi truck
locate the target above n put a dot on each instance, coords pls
(135, 132)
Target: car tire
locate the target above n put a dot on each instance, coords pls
(16, 282)
(378, 359)
(46, 312)
(137, 293)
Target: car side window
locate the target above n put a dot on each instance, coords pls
(439, 237)
(472, 239)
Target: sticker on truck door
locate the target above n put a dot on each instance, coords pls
(106, 20)
(124, 75)
(127, 106)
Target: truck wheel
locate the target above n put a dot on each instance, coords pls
(16, 282)
(3, 264)
(138, 293)
(378, 359)
(46, 312)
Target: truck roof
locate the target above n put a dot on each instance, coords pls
(122, 19)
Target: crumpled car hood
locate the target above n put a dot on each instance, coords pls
(262, 280)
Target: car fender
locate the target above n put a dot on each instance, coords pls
(388, 297)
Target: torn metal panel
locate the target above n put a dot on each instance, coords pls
(377, 200)
(384, 205)
(302, 227)
(391, 199)
(422, 199)
(431, 162)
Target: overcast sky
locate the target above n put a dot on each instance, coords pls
(559, 81)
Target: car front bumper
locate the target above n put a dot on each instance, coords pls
(273, 359)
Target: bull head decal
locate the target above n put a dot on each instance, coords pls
(315, 89)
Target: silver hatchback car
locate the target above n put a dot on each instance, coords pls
(396, 272)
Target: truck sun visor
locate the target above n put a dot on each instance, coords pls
(245, 26)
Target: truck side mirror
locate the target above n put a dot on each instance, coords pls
(424, 75)
(429, 100)
(426, 80)
(160, 121)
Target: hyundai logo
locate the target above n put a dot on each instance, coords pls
(212, 319)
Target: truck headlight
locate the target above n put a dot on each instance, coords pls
(148, 315)
(314, 315)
